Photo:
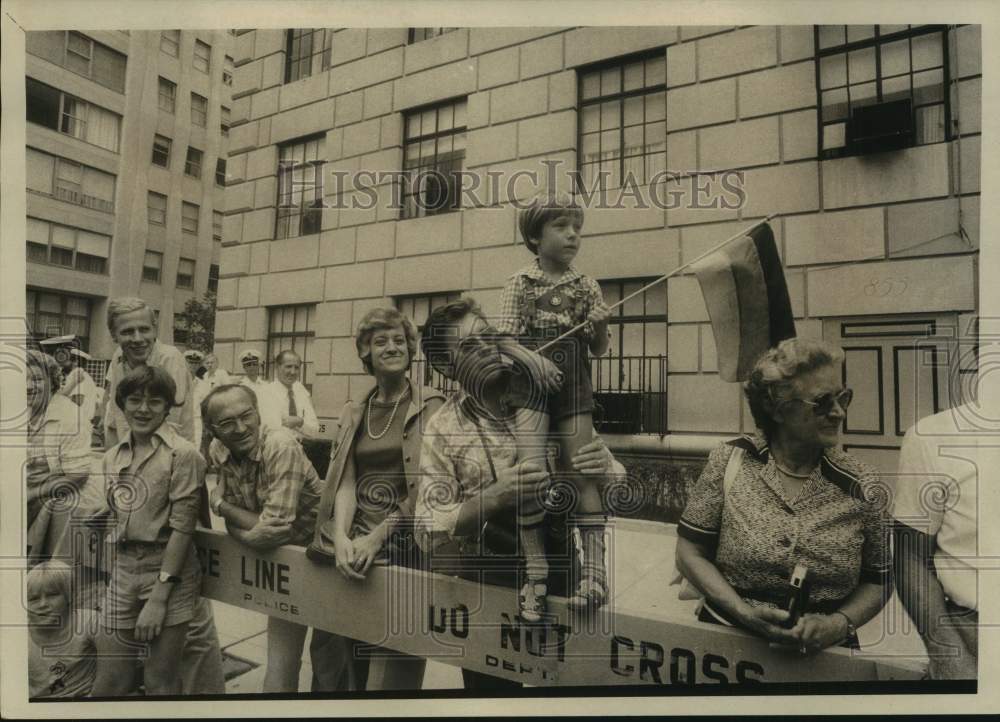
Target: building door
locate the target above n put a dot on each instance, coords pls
(898, 367)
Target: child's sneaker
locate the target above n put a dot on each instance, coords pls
(590, 593)
(532, 601)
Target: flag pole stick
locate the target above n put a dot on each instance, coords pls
(649, 285)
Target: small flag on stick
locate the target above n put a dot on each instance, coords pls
(747, 299)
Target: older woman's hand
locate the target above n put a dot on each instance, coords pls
(593, 458)
(367, 548)
(765, 621)
(343, 549)
(819, 631)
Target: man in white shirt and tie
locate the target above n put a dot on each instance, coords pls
(289, 403)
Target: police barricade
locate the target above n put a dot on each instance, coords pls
(474, 626)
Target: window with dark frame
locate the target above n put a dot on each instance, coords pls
(189, 217)
(199, 110)
(217, 225)
(69, 181)
(293, 328)
(56, 314)
(185, 273)
(170, 42)
(156, 209)
(79, 54)
(227, 71)
(220, 172)
(300, 187)
(58, 245)
(416, 35)
(308, 51)
(630, 381)
(192, 164)
(152, 264)
(224, 122)
(622, 121)
(202, 59)
(168, 96)
(213, 278)
(161, 151)
(71, 116)
(433, 154)
(417, 308)
(182, 334)
(861, 65)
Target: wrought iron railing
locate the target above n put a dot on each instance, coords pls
(630, 392)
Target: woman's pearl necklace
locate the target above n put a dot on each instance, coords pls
(368, 420)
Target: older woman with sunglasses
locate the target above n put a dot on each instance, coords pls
(790, 499)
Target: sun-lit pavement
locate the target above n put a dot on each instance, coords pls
(639, 578)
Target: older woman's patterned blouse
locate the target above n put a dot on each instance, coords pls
(836, 525)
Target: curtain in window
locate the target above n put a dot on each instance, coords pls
(103, 128)
(40, 168)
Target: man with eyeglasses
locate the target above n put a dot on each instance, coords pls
(267, 493)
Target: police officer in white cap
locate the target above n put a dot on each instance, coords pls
(270, 414)
(77, 385)
(199, 389)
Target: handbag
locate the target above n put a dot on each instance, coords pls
(687, 590)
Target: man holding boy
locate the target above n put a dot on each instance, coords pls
(267, 493)
(472, 480)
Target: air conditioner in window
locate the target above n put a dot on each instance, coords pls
(880, 127)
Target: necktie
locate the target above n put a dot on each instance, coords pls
(292, 411)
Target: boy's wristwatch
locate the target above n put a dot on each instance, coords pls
(168, 578)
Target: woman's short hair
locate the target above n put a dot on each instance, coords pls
(434, 340)
(540, 210)
(48, 366)
(118, 307)
(48, 575)
(383, 319)
(152, 380)
(776, 370)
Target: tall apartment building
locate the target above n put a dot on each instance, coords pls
(864, 140)
(126, 139)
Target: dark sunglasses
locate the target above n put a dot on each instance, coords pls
(823, 405)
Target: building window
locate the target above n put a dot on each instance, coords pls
(220, 172)
(170, 42)
(630, 381)
(57, 314)
(418, 34)
(69, 181)
(202, 56)
(58, 245)
(861, 65)
(224, 121)
(623, 130)
(433, 154)
(217, 225)
(292, 328)
(168, 96)
(199, 110)
(185, 273)
(213, 278)
(182, 334)
(156, 209)
(417, 309)
(161, 151)
(74, 117)
(227, 71)
(152, 264)
(189, 217)
(81, 55)
(307, 52)
(300, 188)
(192, 164)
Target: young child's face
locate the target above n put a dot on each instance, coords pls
(145, 413)
(46, 606)
(560, 239)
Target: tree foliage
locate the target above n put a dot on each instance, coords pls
(196, 323)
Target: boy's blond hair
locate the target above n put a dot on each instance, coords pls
(51, 574)
(540, 210)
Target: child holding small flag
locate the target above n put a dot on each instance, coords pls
(539, 303)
